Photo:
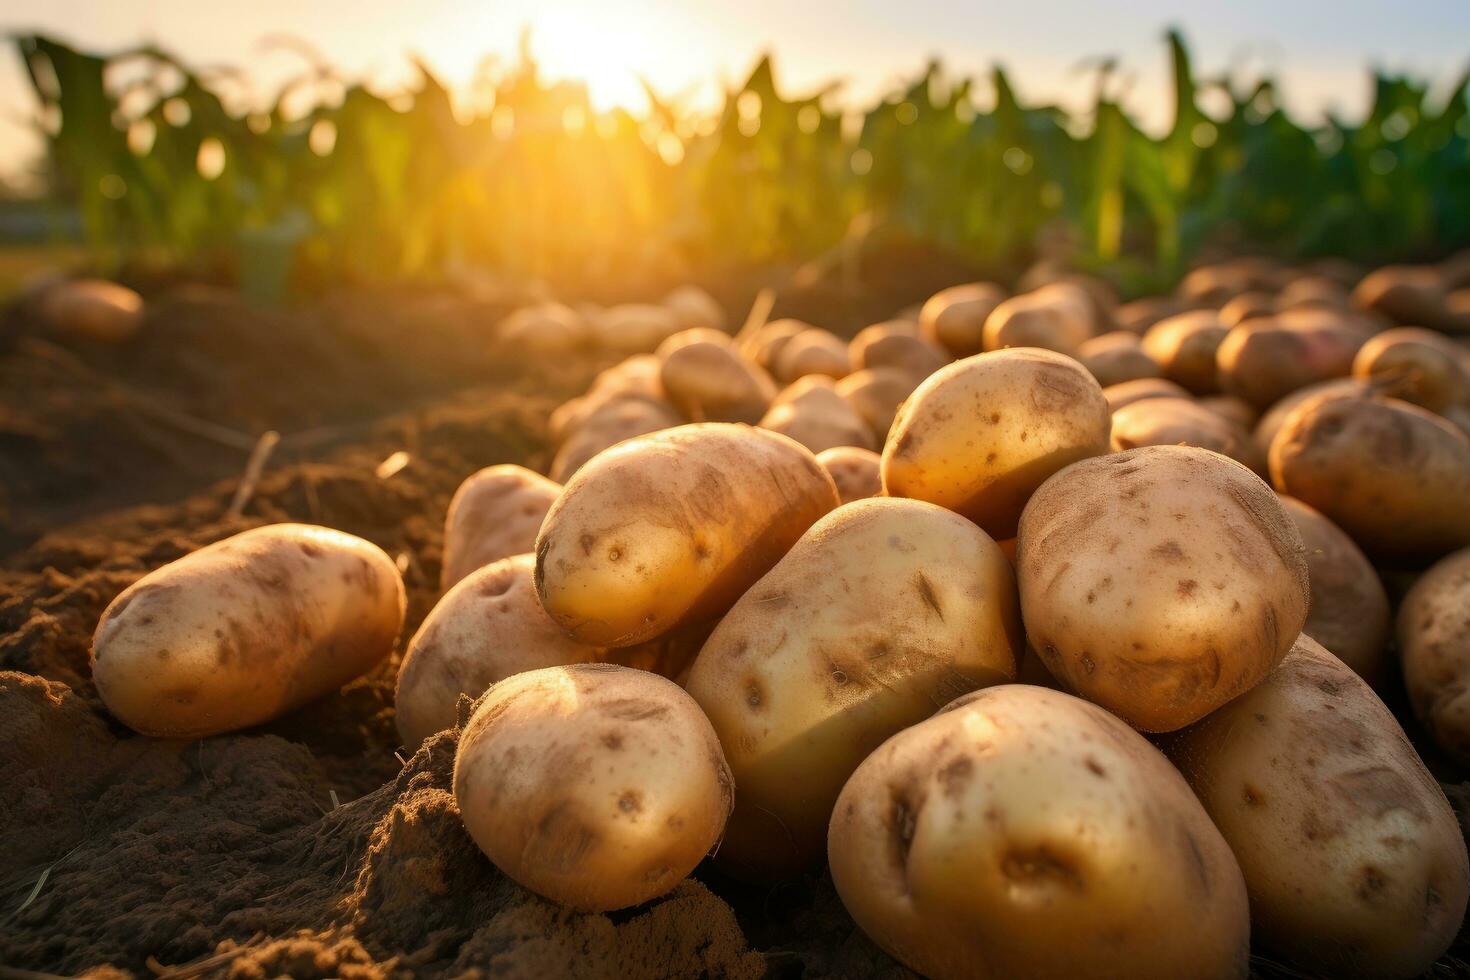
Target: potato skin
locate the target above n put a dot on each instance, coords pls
(1057, 317)
(895, 344)
(672, 528)
(1160, 582)
(596, 786)
(1265, 359)
(883, 611)
(1185, 346)
(1274, 417)
(634, 377)
(91, 309)
(858, 473)
(1125, 393)
(1354, 861)
(547, 328)
(1115, 357)
(1183, 422)
(1434, 649)
(876, 395)
(1349, 612)
(954, 318)
(1390, 474)
(811, 412)
(1417, 365)
(813, 351)
(245, 630)
(488, 627)
(980, 435)
(495, 513)
(708, 382)
(616, 421)
(1022, 832)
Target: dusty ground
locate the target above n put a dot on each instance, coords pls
(310, 847)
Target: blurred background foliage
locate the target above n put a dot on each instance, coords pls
(523, 181)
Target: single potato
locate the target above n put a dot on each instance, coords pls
(670, 529)
(708, 382)
(546, 329)
(1264, 360)
(1183, 422)
(896, 345)
(884, 611)
(954, 318)
(594, 785)
(1353, 859)
(876, 394)
(1420, 366)
(812, 412)
(1184, 347)
(246, 629)
(91, 309)
(615, 422)
(494, 514)
(1272, 419)
(813, 351)
(856, 472)
(1057, 317)
(1434, 648)
(1126, 393)
(1116, 357)
(1022, 832)
(1349, 612)
(982, 434)
(695, 308)
(1160, 582)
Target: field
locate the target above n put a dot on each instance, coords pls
(372, 341)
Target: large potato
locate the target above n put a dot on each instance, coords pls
(858, 473)
(1420, 366)
(1058, 317)
(672, 528)
(1272, 419)
(594, 785)
(1022, 832)
(1116, 357)
(812, 412)
(1263, 360)
(1160, 582)
(1127, 392)
(708, 382)
(1354, 861)
(885, 610)
(1349, 610)
(494, 514)
(1185, 346)
(1434, 648)
(813, 351)
(246, 629)
(1393, 476)
(954, 318)
(982, 434)
(876, 395)
(1182, 422)
(612, 423)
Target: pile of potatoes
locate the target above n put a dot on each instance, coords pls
(1053, 626)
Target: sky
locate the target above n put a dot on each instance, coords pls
(1320, 50)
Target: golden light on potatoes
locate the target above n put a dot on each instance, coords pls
(1265, 359)
(546, 329)
(954, 318)
(885, 610)
(1058, 317)
(1434, 648)
(982, 434)
(672, 528)
(1184, 347)
(1420, 366)
(614, 422)
(695, 308)
(1183, 422)
(1353, 859)
(594, 785)
(875, 394)
(246, 629)
(858, 473)
(897, 345)
(1160, 582)
(634, 377)
(811, 412)
(495, 513)
(91, 309)
(1116, 357)
(1022, 832)
(813, 351)
(1126, 393)
(708, 382)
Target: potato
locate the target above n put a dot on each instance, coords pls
(1236, 410)
(1181, 422)
(1058, 317)
(1127, 392)
(1410, 295)
(882, 612)
(1348, 613)
(593, 785)
(1353, 859)
(635, 377)
(1390, 474)
(693, 307)
(494, 514)
(709, 382)
(954, 318)
(636, 328)
(1247, 306)
(812, 412)
(1273, 418)
(1101, 295)
(856, 472)
(1116, 357)
(764, 345)
(876, 394)
(614, 422)
(488, 627)
(1263, 360)
(545, 329)
(884, 345)
(982, 434)
(693, 335)
(670, 529)
(812, 351)
(1160, 582)
(1022, 832)
(91, 309)
(1313, 291)
(1420, 366)
(1434, 648)
(1141, 314)
(1216, 284)
(1185, 346)
(245, 630)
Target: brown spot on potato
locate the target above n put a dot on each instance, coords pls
(496, 586)
(1187, 587)
(586, 541)
(612, 740)
(310, 549)
(1252, 796)
(1095, 767)
(1169, 551)
(630, 802)
(633, 709)
(1371, 885)
(954, 774)
(927, 593)
(755, 695)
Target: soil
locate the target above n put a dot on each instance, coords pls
(310, 847)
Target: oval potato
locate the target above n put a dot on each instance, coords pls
(954, 318)
(1266, 359)
(1183, 422)
(1184, 347)
(1434, 648)
(876, 394)
(546, 329)
(92, 309)
(813, 351)
(1420, 366)
(1056, 317)
(1115, 357)
(857, 472)
(812, 412)
(495, 513)
(708, 382)
(616, 421)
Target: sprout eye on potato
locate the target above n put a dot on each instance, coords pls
(495, 513)
(1022, 832)
(884, 611)
(594, 785)
(980, 435)
(670, 529)
(246, 629)
(1353, 859)
(1160, 582)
